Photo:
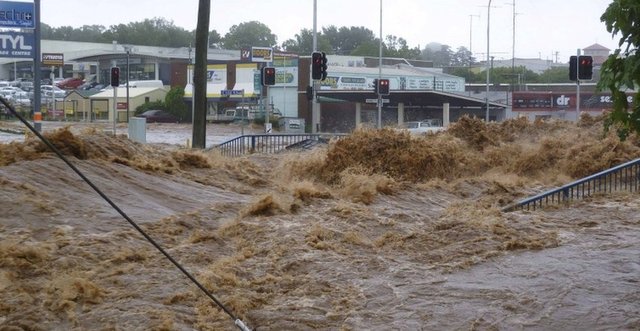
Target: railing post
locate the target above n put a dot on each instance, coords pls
(253, 144)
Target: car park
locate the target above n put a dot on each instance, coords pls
(159, 116)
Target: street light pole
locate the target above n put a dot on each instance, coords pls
(487, 95)
(189, 81)
(128, 49)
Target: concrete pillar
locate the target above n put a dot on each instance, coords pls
(445, 114)
(157, 69)
(358, 115)
(400, 114)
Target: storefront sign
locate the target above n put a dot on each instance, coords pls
(261, 54)
(52, 59)
(16, 44)
(15, 14)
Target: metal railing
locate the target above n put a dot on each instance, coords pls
(625, 177)
(266, 143)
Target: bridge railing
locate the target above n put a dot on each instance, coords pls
(625, 177)
(265, 143)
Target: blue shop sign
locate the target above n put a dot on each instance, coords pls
(17, 15)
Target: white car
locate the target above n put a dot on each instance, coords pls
(425, 126)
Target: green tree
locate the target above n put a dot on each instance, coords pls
(555, 75)
(440, 54)
(151, 32)
(397, 47)
(347, 40)
(249, 34)
(621, 71)
(462, 57)
(174, 102)
(303, 43)
(371, 48)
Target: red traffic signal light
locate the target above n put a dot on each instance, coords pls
(115, 76)
(318, 66)
(383, 86)
(268, 76)
(580, 67)
(585, 67)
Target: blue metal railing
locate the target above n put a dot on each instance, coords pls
(625, 177)
(266, 143)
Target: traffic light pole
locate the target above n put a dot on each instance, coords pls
(578, 86)
(314, 102)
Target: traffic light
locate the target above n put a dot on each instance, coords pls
(585, 67)
(573, 68)
(318, 66)
(115, 76)
(383, 86)
(375, 86)
(268, 76)
(580, 67)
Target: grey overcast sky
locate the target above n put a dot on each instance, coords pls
(543, 28)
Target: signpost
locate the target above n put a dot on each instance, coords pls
(382, 101)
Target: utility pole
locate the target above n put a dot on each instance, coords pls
(37, 95)
(380, 72)
(200, 75)
(487, 96)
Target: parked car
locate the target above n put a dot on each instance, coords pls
(159, 116)
(70, 83)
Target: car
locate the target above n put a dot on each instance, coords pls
(70, 83)
(424, 126)
(159, 116)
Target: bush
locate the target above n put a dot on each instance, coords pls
(151, 105)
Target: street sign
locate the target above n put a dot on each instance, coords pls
(376, 100)
(15, 14)
(231, 92)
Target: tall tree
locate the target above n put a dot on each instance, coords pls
(440, 54)
(151, 32)
(249, 34)
(303, 43)
(621, 71)
(462, 58)
(397, 47)
(346, 40)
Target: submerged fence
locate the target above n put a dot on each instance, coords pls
(625, 177)
(267, 143)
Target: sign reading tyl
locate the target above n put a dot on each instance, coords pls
(52, 59)
(261, 54)
(15, 14)
(16, 44)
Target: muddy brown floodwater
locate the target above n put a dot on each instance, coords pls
(377, 231)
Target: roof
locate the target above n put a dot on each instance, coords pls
(428, 98)
(122, 92)
(87, 51)
(83, 93)
(596, 46)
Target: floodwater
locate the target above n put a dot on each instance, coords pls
(378, 231)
